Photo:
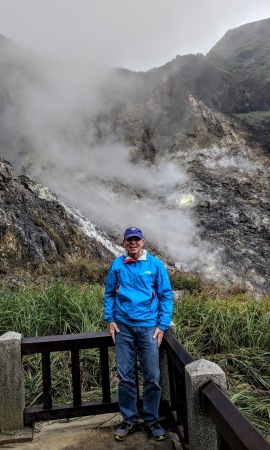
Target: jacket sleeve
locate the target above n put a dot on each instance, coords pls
(110, 293)
(165, 296)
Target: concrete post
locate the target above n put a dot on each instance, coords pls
(202, 432)
(163, 365)
(11, 382)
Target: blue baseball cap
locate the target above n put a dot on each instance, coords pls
(133, 232)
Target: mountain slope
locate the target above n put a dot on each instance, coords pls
(181, 151)
(37, 230)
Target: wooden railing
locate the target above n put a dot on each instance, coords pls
(178, 358)
(73, 343)
(233, 430)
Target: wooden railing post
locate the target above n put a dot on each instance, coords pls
(163, 365)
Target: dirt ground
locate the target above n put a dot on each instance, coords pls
(91, 433)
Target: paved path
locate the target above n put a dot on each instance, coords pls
(91, 433)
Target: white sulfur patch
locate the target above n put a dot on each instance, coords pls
(186, 200)
(91, 230)
(41, 191)
(181, 200)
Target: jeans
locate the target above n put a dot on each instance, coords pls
(129, 341)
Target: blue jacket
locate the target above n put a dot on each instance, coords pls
(138, 293)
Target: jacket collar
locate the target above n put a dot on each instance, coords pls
(141, 258)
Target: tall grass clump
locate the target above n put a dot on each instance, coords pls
(83, 271)
(233, 332)
(57, 308)
(181, 280)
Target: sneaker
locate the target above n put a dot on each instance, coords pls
(157, 431)
(124, 431)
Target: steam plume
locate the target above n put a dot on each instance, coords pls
(49, 131)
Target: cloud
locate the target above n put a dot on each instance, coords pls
(136, 35)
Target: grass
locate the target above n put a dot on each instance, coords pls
(226, 328)
(217, 324)
(58, 308)
(235, 334)
(181, 280)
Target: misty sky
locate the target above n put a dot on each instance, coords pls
(137, 34)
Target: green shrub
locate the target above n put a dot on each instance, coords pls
(83, 271)
(185, 281)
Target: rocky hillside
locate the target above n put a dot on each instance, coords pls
(37, 230)
(182, 150)
(234, 77)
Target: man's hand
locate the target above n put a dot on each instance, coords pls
(113, 328)
(159, 334)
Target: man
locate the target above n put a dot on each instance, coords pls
(138, 305)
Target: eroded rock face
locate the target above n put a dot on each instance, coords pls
(232, 206)
(228, 191)
(36, 229)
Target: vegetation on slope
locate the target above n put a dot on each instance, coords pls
(227, 328)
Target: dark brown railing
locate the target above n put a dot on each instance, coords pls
(73, 343)
(233, 430)
(178, 358)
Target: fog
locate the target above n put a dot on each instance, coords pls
(136, 35)
(49, 118)
(54, 130)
